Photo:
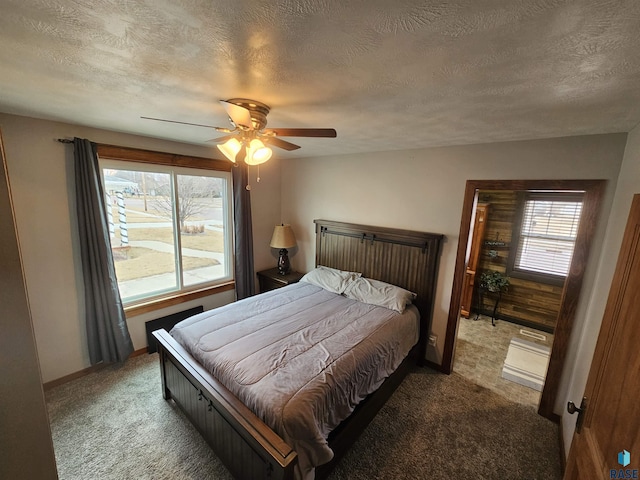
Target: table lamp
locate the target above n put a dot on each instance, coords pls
(283, 238)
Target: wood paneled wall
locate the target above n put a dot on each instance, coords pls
(526, 302)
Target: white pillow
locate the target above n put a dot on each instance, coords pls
(375, 292)
(330, 279)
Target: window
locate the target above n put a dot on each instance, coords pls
(170, 228)
(545, 236)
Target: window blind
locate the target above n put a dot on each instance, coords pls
(548, 235)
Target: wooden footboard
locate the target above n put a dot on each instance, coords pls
(244, 443)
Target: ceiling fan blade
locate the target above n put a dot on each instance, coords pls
(222, 139)
(276, 142)
(240, 116)
(303, 132)
(182, 123)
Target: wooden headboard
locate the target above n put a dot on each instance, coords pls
(404, 258)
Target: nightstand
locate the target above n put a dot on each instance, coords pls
(271, 279)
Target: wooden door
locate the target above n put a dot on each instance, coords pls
(26, 448)
(611, 423)
(477, 235)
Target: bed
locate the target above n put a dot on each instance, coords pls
(218, 408)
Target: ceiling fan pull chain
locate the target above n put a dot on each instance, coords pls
(248, 187)
(258, 178)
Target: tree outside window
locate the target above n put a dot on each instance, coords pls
(169, 228)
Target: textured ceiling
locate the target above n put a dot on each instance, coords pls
(386, 74)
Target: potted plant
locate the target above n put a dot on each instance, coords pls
(493, 281)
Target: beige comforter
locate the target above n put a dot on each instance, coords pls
(301, 358)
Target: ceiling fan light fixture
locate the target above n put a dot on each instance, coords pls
(257, 153)
(230, 148)
(249, 120)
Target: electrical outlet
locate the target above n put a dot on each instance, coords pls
(433, 340)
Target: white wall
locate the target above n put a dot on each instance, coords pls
(590, 315)
(423, 190)
(41, 173)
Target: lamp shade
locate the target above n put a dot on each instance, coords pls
(230, 148)
(257, 153)
(283, 237)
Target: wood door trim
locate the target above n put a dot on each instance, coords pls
(611, 316)
(594, 192)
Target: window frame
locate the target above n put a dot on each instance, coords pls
(523, 197)
(109, 154)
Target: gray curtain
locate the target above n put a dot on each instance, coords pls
(107, 333)
(244, 275)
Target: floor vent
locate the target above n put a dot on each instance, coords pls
(537, 336)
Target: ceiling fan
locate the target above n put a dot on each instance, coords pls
(249, 121)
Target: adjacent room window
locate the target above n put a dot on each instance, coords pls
(170, 228)
(544, 238)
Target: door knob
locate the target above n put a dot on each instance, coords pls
(571, 408)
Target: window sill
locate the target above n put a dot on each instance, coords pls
(175, 299)
(537, 277)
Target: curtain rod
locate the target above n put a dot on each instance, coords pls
(65, 140)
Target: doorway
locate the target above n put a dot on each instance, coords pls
(593, 193)
(508, 317)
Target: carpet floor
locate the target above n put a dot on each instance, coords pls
(112, 424)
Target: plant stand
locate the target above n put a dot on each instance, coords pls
(481, 294)
(479, 302)
(495, 309)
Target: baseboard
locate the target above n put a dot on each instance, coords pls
(86, 371)
(72, 376)
(563, 457)
(517, 321)
(555, 418)
(433, 365)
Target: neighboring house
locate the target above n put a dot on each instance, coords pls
(416, 189)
